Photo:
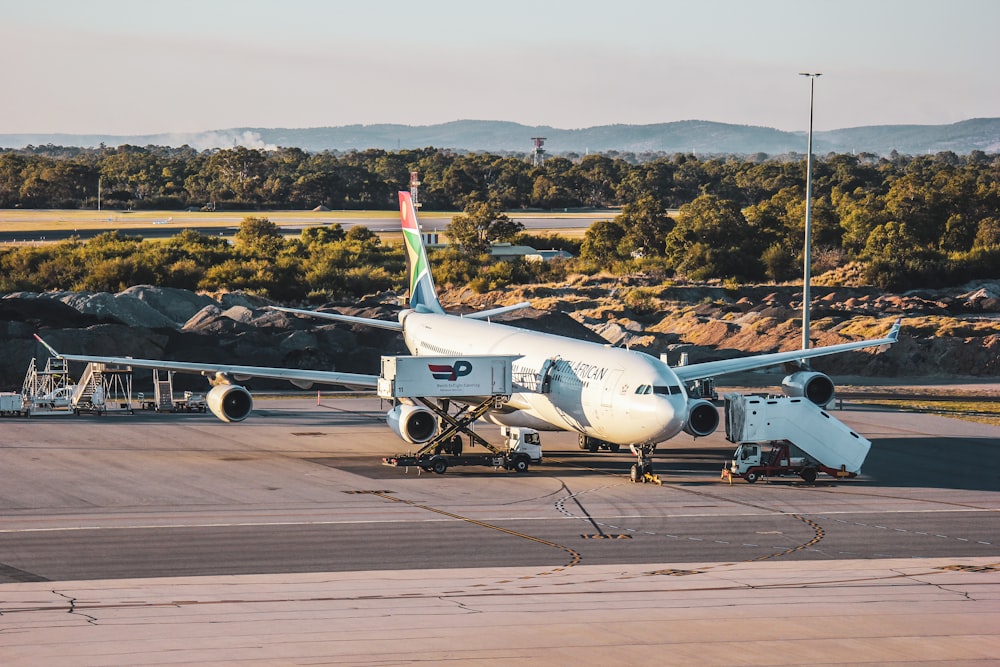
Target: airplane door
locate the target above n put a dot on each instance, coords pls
(610, 388)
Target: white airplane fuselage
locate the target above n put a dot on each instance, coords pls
(604, 392)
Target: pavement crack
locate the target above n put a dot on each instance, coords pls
(461, 605)
(73, 610)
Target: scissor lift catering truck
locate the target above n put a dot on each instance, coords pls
(422, 390)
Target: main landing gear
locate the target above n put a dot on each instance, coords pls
(593, 444)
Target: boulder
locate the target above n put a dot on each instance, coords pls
(177, 305)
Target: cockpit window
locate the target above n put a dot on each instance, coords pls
(657, 389)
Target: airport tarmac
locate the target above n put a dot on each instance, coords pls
(178, 539)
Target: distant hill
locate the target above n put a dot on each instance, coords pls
(701, 137)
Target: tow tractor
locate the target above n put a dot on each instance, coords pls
(805, 440)
(433, 382)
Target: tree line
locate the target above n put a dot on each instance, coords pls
(909, 221)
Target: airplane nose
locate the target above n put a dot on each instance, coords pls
(656, 418)
(671, 414)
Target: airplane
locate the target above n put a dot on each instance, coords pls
(609, 396)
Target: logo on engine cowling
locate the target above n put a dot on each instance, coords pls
(452, 372)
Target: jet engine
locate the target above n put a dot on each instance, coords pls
(229, 402)
(703, 418)
(413, 424)
(817, 387)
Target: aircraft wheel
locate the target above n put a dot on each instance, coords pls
(581, 440)
(634, 474)
(751, 477)
(614, 448)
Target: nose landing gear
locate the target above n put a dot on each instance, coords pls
(642, 469)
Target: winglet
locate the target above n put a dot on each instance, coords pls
(47, 347)
(894, 331)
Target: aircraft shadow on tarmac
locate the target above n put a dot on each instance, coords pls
(560, 464)
(939, 463)
(372, 467)
(945, 463)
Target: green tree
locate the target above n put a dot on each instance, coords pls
(779, 262)
(595, 178)
(713, 240)
(321, 235)
(259, 236)
(238, 174)
(646, 226)
(553, 184)
(602, 242)
(896, 258)
(481, 224)
(655, 178)
(988, 233)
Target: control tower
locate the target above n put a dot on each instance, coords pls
(539, 153)
(415, 188)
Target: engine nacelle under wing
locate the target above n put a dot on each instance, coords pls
(703, 418)
(412, 423)
(229, 402)
(814, 386)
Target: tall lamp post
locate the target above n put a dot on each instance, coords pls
(807, 248)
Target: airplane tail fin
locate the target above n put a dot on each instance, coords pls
(423, 294)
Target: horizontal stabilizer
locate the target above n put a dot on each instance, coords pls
(493, 312)
(364, 321)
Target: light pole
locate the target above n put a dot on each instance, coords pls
(807, 248)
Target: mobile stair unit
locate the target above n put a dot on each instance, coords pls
(163, 396)
(480, 382)
(103, 388)
(47, 391)
(804, 438)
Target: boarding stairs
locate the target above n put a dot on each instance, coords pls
(102, 388)
(42, 383)
(163, 390)
(89, 394)
(758, 419)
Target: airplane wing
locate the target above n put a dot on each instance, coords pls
(713, 368)
(298, 377)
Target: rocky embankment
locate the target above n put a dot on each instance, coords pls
(945, 332)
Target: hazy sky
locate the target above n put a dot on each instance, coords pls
(138, 67)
